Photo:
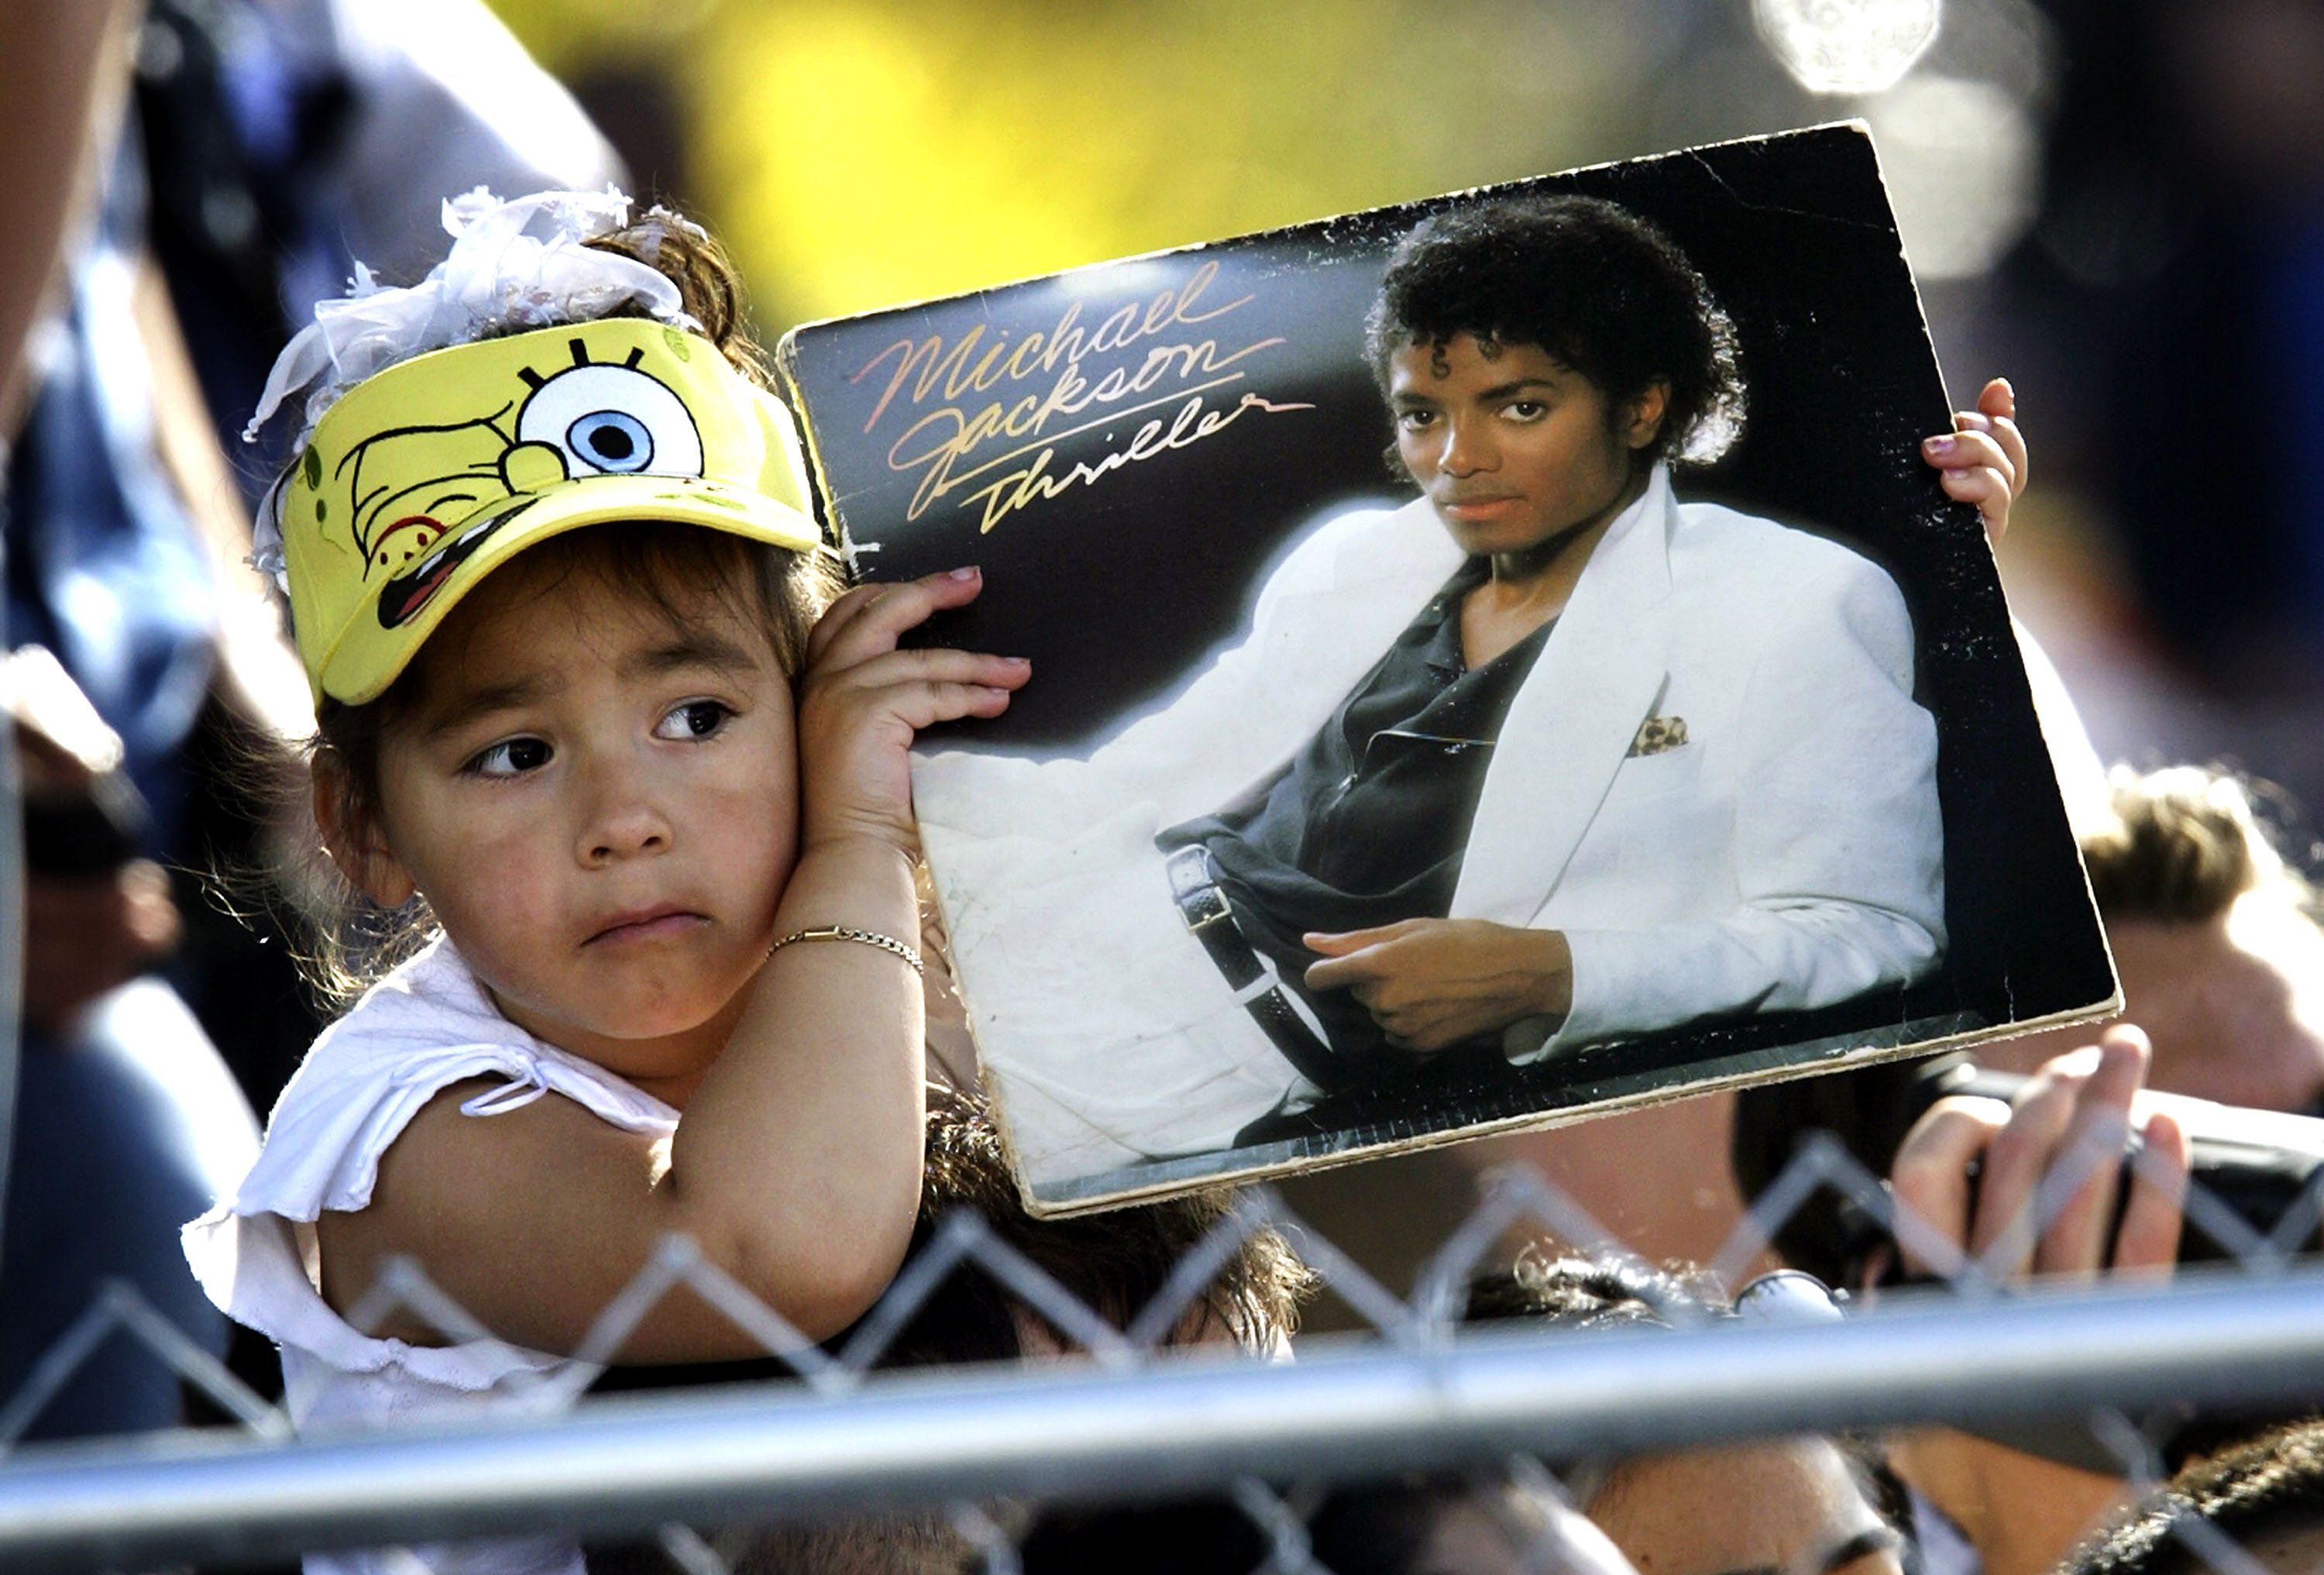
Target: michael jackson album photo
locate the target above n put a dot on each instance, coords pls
(1496, 660)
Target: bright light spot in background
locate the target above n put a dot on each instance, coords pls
(1961, 163)
(1847, 46)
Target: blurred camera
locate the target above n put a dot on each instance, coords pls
(2261, 1166)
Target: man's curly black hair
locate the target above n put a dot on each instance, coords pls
(2267, 1488)
(1586, 280)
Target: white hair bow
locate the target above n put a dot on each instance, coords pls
(513, 265)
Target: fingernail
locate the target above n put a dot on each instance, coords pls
(2078, 1062)
(1017, 661)
(1937, 444)
(970, 573)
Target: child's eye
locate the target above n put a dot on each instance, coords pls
(1415, 421)
(1525, 409)
(695, 719)
(512, 757)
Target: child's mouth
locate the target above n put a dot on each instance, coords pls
(647, 925)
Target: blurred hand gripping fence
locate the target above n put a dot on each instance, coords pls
(692, 1468)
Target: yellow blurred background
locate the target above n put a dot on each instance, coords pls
(857, 154)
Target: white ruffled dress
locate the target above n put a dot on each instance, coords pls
(426, 1026)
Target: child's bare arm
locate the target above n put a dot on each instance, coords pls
(796, 1165)
(850, 1109)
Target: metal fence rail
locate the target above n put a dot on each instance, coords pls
(632, 1463)
(1127, 1418)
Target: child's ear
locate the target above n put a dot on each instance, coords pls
(352, 834)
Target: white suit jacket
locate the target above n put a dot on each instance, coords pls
(1788, 854)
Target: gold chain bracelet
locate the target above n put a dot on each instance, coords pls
(849, 933)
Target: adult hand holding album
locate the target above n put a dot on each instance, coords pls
(1649, 722)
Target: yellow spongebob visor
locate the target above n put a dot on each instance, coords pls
(425, 478)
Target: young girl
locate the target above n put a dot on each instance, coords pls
(552, 575)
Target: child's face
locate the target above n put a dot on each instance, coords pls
(601, 805)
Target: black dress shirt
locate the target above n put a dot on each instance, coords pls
(1369, 823)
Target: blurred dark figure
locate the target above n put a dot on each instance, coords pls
(263, 138)
(125, 1117)
(2181, 248)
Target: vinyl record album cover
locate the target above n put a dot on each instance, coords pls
(1496, 659)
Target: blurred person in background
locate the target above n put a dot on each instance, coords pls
(1800, 1506)
(256, 139)
(1970, 1502)
(2216, 938)
(2217, 942)
(2010, 1501)
(1807, 1504)
(2219, 950)
(121, 1114)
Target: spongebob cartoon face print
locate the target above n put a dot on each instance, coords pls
(424, 477)
(589, 419)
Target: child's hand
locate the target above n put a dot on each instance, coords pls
(1982, 460)
(862, 699)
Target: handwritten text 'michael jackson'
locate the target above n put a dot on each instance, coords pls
(1042, 394)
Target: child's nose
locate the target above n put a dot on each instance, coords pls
(623, 823)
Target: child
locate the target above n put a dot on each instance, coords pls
(551, 577)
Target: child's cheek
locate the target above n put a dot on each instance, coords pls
(498, 893)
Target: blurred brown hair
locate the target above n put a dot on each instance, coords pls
(2181, 845)
(1114, 1263)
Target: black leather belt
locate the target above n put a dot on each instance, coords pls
(1213, 921)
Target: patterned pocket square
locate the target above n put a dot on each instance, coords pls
(1658, 734)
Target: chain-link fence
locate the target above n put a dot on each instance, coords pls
(687, 1477)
